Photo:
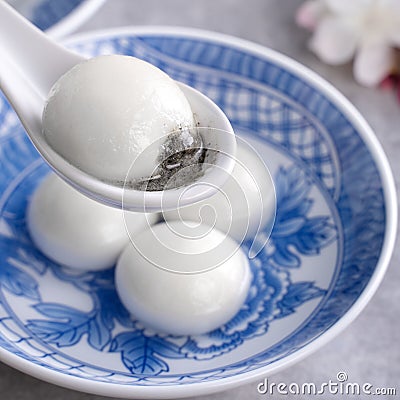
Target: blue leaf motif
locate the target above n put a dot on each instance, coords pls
(165, 348)
(109, 305)
(101, 286)
(298, 293)
(61, 311)
(107, 309)
(99, 334)
(141, 354)
(67, 331)
(60, 333)
(18, 282)
(67, 325)
(34, 260)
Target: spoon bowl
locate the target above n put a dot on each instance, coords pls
(32, 63)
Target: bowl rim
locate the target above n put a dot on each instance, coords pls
(391, 214)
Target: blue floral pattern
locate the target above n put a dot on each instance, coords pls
(321, 226)
(272, 294)
(292, 227)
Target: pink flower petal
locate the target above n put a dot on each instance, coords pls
(373, 63)
(388, 83)
(309, 13)
(334, 41)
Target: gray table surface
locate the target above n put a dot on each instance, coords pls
(368, 350)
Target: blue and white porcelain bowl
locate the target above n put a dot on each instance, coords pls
(333, 237)
(57, 17)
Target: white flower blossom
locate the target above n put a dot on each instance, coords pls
(368, 30)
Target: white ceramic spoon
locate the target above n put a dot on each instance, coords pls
(31, 63)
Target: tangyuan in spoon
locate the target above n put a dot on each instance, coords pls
(115, 127)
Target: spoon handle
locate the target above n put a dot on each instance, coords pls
(29, 53)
